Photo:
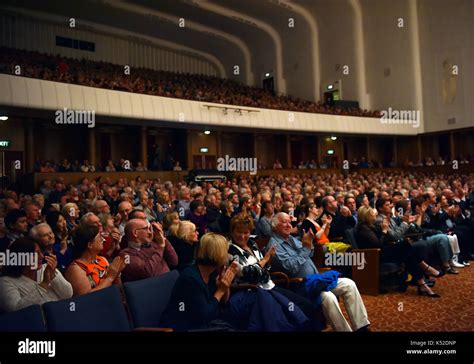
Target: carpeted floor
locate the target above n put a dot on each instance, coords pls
(407, 311)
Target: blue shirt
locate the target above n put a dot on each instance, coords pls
(292, 257)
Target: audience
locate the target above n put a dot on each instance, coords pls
(149, 253)
(201, 288)
(421, 219)
(90, 272)
(19, 287)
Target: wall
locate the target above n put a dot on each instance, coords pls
(389, 47)
(336, 44)
(13, 130)
(447, 39)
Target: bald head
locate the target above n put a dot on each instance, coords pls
(138, 231)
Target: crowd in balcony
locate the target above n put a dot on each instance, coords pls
(158, 83)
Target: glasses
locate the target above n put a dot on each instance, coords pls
(144, 228)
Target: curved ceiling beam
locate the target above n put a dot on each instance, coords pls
(313, 26)
(248, 20)
(364, 98)
(138, 9)
(124, 33)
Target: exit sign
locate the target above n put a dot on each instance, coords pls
(4, 143)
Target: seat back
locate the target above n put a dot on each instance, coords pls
(148, 298)
(29, 319)
(99, 311)
(350, 237)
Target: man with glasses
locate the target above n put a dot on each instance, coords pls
(149, 253)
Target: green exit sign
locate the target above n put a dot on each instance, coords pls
(4, 143)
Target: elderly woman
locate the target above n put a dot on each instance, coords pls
(19, 287)
(184, 238)
(255, 266)
(202, 287)
(90, 272)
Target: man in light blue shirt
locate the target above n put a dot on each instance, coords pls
(294, 258)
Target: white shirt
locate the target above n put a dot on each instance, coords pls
(21, 292)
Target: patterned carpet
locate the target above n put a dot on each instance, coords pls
(407, 311)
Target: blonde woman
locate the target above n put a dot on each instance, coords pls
(184, 238)
(202, 287)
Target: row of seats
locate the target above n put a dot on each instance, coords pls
(104, 310)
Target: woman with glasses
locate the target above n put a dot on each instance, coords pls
(90, 272)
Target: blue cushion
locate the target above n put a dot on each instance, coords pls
(27, 319)
(99, 311)
(148, 298)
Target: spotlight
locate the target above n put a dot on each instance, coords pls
(331, 151)
(3, 118)
(334, 138)
(207, 132)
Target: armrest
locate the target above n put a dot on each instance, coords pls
(242, 286)
(282, 278)
(367, 279)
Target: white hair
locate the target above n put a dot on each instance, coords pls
(34, 232)
(277, 217)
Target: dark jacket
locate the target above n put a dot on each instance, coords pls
(192, 304)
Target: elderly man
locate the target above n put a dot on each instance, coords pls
(294, 258)
(101, 206)
(43, 234)
(124, 208)
(33, 214)
(149, 253)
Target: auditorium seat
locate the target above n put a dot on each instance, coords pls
(147, 298)
(376, 277)
(98, 311)
(29, 319)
